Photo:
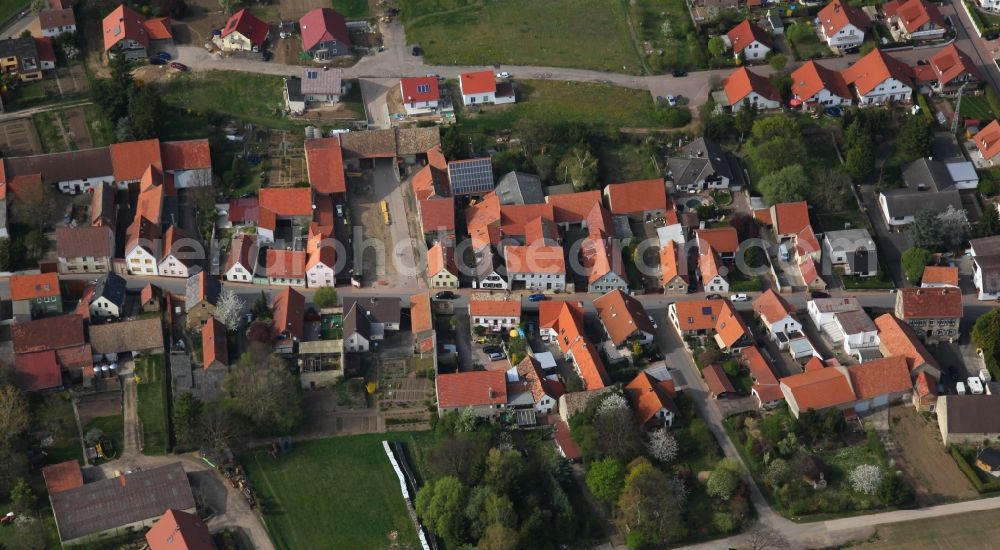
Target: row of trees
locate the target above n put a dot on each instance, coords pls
(135, 108)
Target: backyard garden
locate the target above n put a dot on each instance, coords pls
(151, 388)
(818, 463)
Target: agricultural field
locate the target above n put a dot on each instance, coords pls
(204, 97)
(957, 532)
(338, 492)
(586, 34)
(152, 402)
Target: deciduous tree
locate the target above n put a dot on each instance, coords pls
(262, 390)
(662, 446)
(14, 416)
(229, 310)
(724, 479)
(441, 504)
(866, 478)
(914, 260)
(325, 297)
(789, 184)
(605, 478)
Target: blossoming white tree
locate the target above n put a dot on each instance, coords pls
(866, 478)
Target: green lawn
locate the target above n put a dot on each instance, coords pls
(53, 414)
(9, 7)
(245, 97)
(48, 131)
(101, 132)
(351, 9)
(880, 281)
(113, 428)
(809, 47)
(553, 102)
(977, 107)
(333, 493)
(152, 403)
(590, 34)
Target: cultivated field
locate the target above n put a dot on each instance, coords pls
(18, 137)
(591, 34)
(969, 531)
(333, 493)
(935, 475)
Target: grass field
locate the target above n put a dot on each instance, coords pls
(590, 34)
(152, 403)
(241, 96)
(46, 124)
(53, 413)
(977, 107)
(957, 532)
(351, 9)
(9, 7)
(333, 493)
(101, 132)
(552, 102)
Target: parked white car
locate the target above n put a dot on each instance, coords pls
(503, 74)
(975, 385)
(739, 298)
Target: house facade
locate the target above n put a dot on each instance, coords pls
(495, 315)
(841, 26)
(84, 249)
(324, 34)
(934, 314)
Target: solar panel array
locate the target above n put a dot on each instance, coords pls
(471, 176)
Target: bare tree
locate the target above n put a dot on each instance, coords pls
(264, 392)
(13, 413)
(762, 537)
(229, 309)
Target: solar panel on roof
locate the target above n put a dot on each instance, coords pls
(471, 176)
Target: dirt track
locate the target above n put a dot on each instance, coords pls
(934, 474)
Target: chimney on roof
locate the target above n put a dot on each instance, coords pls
(121, 479)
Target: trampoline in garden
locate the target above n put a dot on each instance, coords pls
(332, 327)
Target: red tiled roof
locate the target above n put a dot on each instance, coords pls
(940, 274)
(287, 201)
(124, 23)
(62, 331)
(648, 396)
(480, 82)
(535, 381)
(421, 318)
(874, 69)
(514, 218)
(837, 14)
(588, 362)
(601, 255)
(440, 258)
(951, 63)
(622, 315)
(730, 328)
(36, 371)
(323, 25)
(637, 196)
(30, 287)
(419, 88)
(62, 476)
(772, 306)
(437, 214)
(811, 78)
(808, 268)
(896, 338)
(213, 343)
(880, 377)
(766, 384)
(790, 218)
(814, 363)
(289, 312)
(670, 265)
(177, 530)
(747, 33)
(495, 308)
(243, 210)
(325, 165)
(158, 28)
(192, 154)
(535, 259)
(45, 50)
(695, 315)
(925, 385)
(931, 303)
(913, 14)
(243, 252)
(248, 25)
(573, 207)
(27, 188)
(820, 389)
(741, 82)
(716, 379)
(288, 264)
(724, 240)
(131, 158)
(988, 140)
(564, 439)
(472, 388)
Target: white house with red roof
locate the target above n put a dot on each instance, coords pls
(988, 144)
(914, 20)
(744, 86)
(641, 200)
(243, 32)
(481, 87)
(537, 266)
(841, 26)
(947, 70)
(495, 314)
(813, 85)
(420, 94)
(749, 41)
(242, 259)
(129, 34)
(879, 78)
(324, 34)
(482, 392)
